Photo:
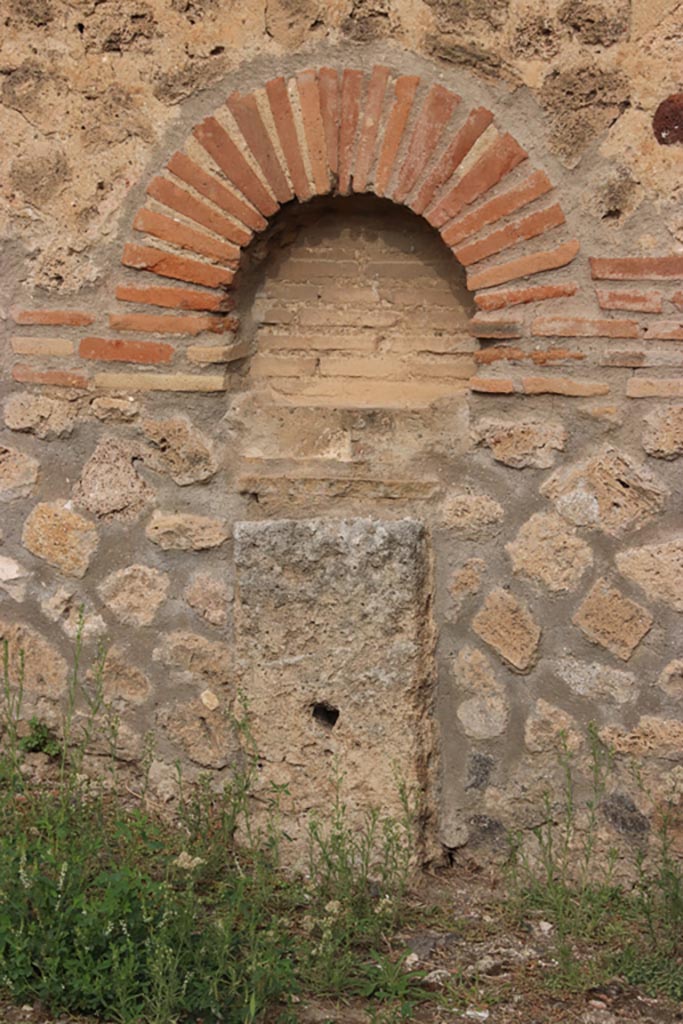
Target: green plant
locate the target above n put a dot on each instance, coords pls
(40, 739)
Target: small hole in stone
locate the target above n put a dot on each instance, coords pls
(80, 27)
(325, 713)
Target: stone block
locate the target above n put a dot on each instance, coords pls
(178, 449)
(110, 488)
(547, 550)
(612, 620)
(209, 597)
(506, 624)
(485, 712)
(549, 729)
(183, 531)
(61, 537)
(527, 443)
(473, 516)
(18, 474)
(45, 417)
(597, 682)
(663, 433)
(657, 569)
(135, 594)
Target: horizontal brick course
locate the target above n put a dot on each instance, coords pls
(628, 299)
(517, 296)
(53, 378)
(178, 267)
(120, 350)
(493, 385)
(578, 327)
(57, 347)
(210, 354)
(524, 266)
(572, 387)
(636, 268)
(491, 328)
(664, 330)
(159, 382)
(654, 387)
(540, 357)
(282, 365)
(160, 324)
(52, 317)
(174, 298)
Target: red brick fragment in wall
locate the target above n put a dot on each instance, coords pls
(180, 268)
(121, 351)
(212, 188)
(540, 357)
(524, 266)
(532, 293)
(578, 327)
(174, 231)
(635, 301)
(664, 330)
(638, 268)
(53, 378)
(495, 163)
(221, 148)
(314, 130)
(52, 317)
(351, 89)
(249, 121)
(654, 387)
(492, 385)
(157, 323)
(175, 198)
(519, 231)
(328, 85)
(435, 114)
(476, 123)
(404, 93)
(572, 387)
(174, 298)
(537, 184)
(369, 129)
(281, 109)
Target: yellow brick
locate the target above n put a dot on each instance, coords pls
(365, 341)
(322, 316)
(204, 354)
(282, 366)
(42, 346)
(159, 382)
(397, 368)
(356, 393)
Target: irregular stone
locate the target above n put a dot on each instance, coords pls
(547, 550)
(122, 680)
(209, 700)
(671, 678)
(182, 531)
(205, 736)
(472, 515)
(505, 622)
(529, 443)
(13, 578)
(580, 103)
(486, 713)
(61, 537)
(653, 736)
(209, 597)
(609, 491)
(18, 474)
(115, 410)
(550, 729)
(657, 569)
(135, 594)
(596, 24)
(622, 813)
(75, 615)
(612, 620)
(109, 487)
(663, 433)
(479, 769)
(466, 580)
(45, 417)
(33, 661)
(193, 653)
(595, 681)
(180, 450)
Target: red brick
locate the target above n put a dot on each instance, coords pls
(278, 98)
(314, 130)
(677, 299)
(654, 387)
(328, 85)
(541, 357)
(165, 264)
(174, 298)
(519, 231)
(498, 160)
(578, 327)
(475, 125)
(524, 266)
(369, 130)
(351, 89)
(638, 268)
(573, 387)
(492, 385)
(174, 231)
(212, 188)
(171, 195)
(404, 93)
(118, 350)
(221, 148)
(625, 360)
(157, 323)
(517, 296)
(537, 184)
(54, 378)
(664, 330)
(435, 114)
(484, 327)
(635, 301)
(52, 317)
(249, 121)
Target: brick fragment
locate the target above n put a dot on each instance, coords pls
(524, 266)
(573, 387)
(159, 324)
(517, 296)
(314, 129)
(210, 354)
(175, 198)
(635, 301)
(404, 95)
(25, 346)
(281, 108)
(578, 327)
(476, 123)
(626, 360)
(519, 231)
(52, 317)
(222, 149)
(664, 330)
(492, 385)
(351, 89)
(249, 121)
(159, 382)
(118, 350)
(369, 129)
(328, 85)
(435, 114)
(174, 298)
(654, 387)
(493, 328)
(54, 378)
(165, 264)
(209, 186)
(498, 160)
(183, 236)
(537, 184)
(677, 299)
(638, 268)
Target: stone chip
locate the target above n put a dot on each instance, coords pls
(663, 433)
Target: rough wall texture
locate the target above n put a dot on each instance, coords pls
(314, 263)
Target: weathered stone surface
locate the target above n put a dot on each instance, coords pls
(13, 578)
(653, 736)
(657, 569)
(466, 580)
(109, 487)
(609, 491)
(109, 409)
(61, 537)
(595, 681)
(45, 417)
(663, 433)
(266, 431)
(624, 816)
(121, 680)
(177, 448)
(205, 736)
(505, 622)
(485, 713)
(75, 614)
(210, 598)
(206, 659)
(521, 444)
(135, 594)
(33, 661)
(183, 531)
(473, 516)
(612, 620)
(334, 640)
(18, 474)
(549, 728)
(671, 678)
(547, 550)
